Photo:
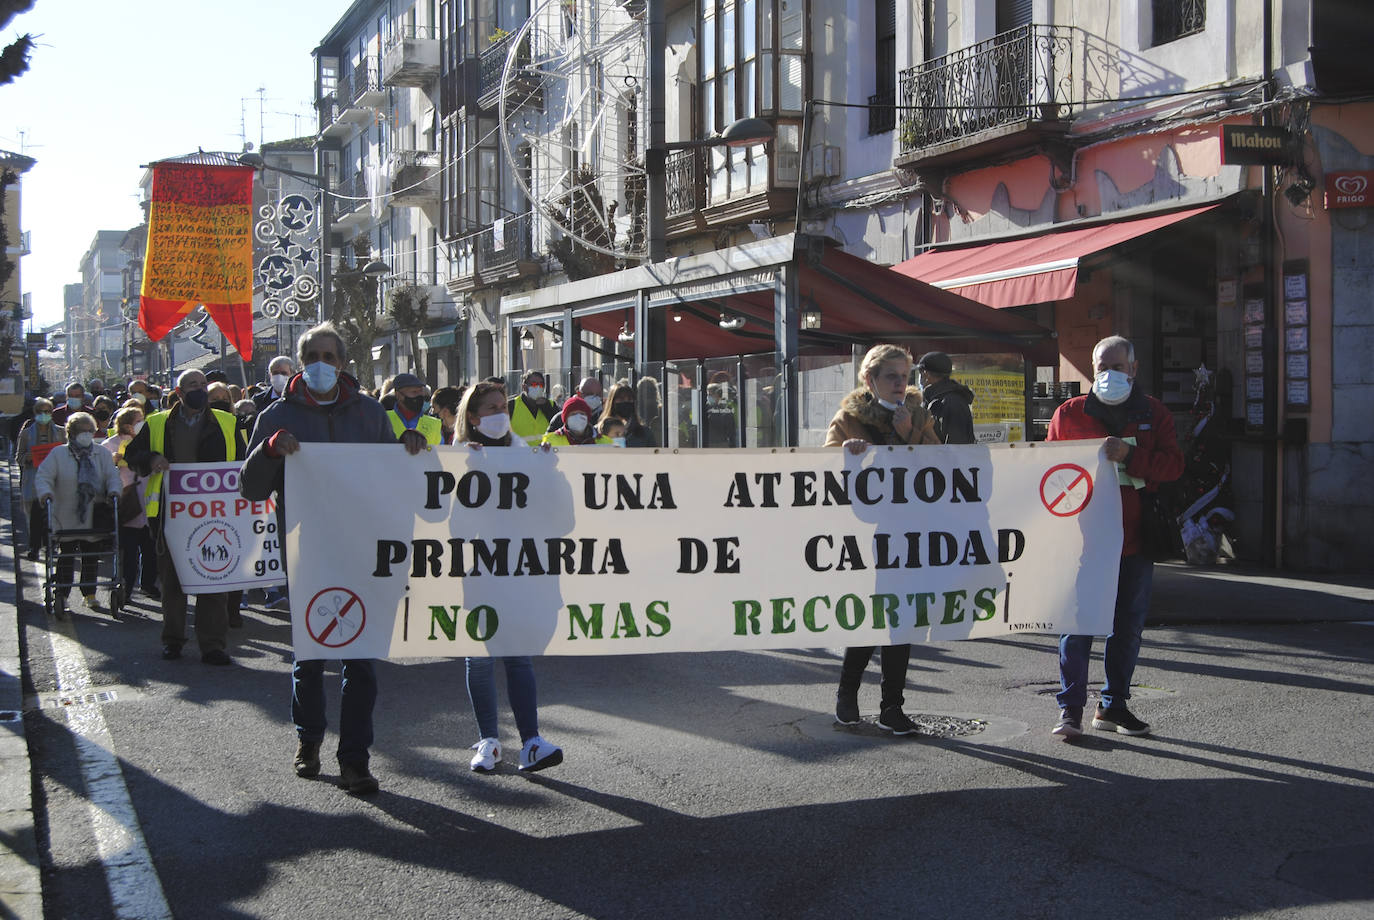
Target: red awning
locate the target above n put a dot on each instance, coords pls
(1036, 269)
(860, 303)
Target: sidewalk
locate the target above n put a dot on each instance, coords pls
(1185, 596)
(21, 888)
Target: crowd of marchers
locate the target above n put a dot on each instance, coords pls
(94, 449)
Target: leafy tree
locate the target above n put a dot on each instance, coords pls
(583, 203)
(408, 307)
(14, 58)
(356, 315)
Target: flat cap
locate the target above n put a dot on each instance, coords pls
(937, 362)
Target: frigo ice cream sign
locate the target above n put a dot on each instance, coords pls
(1353, 189)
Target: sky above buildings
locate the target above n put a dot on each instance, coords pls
(115, 85)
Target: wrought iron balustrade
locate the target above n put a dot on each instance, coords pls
(1035, 73)
(686, 182)
(506, 242)
(492, 63)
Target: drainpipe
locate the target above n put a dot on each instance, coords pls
(1271, 446)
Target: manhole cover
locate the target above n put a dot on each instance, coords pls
(927, 726)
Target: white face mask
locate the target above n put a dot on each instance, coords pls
(279, 383)
(1112, 387)
(495, 426)
(618, 442)
(593, 403)
(889, 406)
(84, 439)
(536, 393)
(576, 423)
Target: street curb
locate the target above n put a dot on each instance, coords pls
(21, 885)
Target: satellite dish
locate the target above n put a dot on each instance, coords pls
(574, 120)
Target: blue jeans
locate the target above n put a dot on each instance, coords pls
(359, 695)
(524, 700)
(1123, 645)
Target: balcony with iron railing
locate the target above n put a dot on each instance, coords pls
(686, 183)
(524, 88)
(501, 251)
(1014, 89)
(413, 176)
(411, 57)
(22, 246)
(352, 204)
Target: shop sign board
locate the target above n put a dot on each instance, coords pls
(1350, 189)
(1255, 145)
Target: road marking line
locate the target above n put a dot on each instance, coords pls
(135, 889)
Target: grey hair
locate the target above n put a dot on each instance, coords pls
(80, 418)
(276, 362)
(1115, 341)
(314, 332)
(181, 378)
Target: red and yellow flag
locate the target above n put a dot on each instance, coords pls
(200, 250)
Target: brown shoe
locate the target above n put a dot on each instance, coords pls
(355, 779)
(308, 759)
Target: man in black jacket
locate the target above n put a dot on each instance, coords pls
(322, 403)
(191, 432)
(948, 401)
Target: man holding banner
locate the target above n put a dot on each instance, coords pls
(1140, 440)
(322, 403)
(190, 432)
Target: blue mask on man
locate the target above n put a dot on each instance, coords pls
(320, 377)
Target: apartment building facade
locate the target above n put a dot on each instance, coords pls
(376, 94)
(1005, 180)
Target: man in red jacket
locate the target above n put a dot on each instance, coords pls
(1139, 435)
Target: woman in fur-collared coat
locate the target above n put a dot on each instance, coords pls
(885, 410)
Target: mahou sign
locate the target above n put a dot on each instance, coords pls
(1349, 190)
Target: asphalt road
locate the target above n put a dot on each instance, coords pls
(712, 785)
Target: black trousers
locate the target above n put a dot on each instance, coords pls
(893, 661)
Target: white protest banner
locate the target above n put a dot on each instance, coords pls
(219, 541)
(593, 551)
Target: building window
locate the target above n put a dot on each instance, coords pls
(752, 55)
(882, 114)
(1174, 19)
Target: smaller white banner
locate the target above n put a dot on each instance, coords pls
(219, 540)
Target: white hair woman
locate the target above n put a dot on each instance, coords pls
(74, 478)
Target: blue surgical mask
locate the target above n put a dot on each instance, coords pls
(320, 377)
(1112, 387)
(74, 403)
(888, 404)
(43, 418)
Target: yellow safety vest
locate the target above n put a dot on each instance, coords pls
(561, 440)
(157, 433)
(428, 425)
(527, 425)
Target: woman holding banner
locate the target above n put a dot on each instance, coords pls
(484, 421)
(885, 410)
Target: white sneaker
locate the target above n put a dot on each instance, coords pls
(487, 757)
(538, 754)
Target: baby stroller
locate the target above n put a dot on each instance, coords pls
(99, 542)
